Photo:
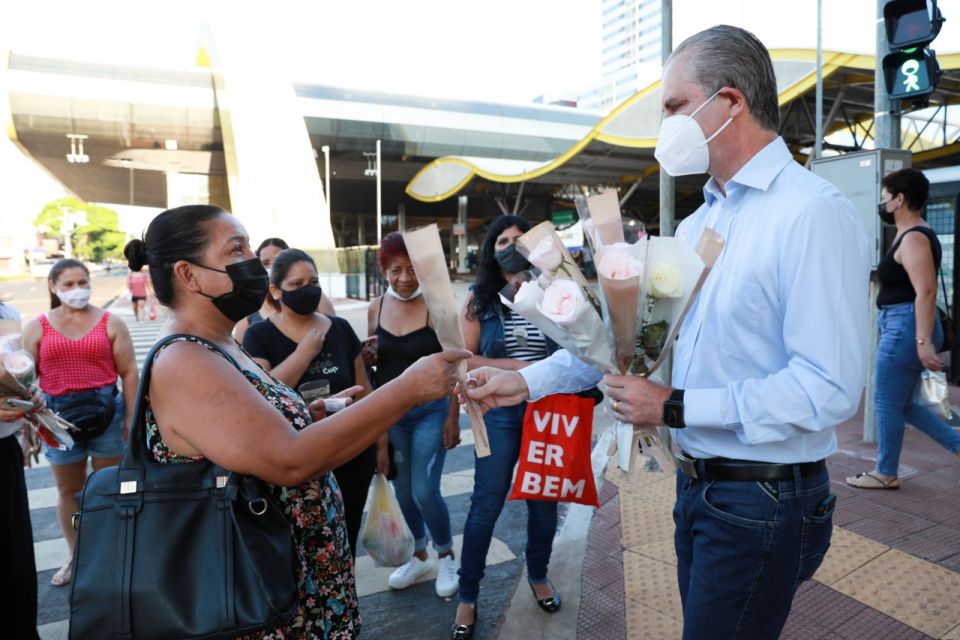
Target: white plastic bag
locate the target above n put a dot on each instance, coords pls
(932, 393)
(386, 536)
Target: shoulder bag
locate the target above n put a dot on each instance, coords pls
(178, 551)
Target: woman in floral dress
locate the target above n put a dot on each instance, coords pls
(200, 405)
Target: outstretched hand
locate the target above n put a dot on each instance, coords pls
(490, 387)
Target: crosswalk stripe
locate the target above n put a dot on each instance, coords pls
(373, 579)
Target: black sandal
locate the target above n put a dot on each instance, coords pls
(465, 631)
(551, 604)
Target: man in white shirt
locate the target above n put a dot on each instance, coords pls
(770, 359)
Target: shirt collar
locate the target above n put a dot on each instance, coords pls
(758, 173)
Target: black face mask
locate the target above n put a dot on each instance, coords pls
(885, 216)
(510, 260)
(302, 301)
(250, 287)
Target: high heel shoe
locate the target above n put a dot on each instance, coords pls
(465, 631)
(551, 604)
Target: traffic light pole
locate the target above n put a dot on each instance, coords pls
(886, 124)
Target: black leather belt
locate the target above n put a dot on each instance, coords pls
(744, 470)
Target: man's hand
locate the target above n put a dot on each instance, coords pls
(490, 387)
(635, 400)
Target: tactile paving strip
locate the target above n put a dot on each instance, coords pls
(918, 593)
(651, 583)
(662, 550)
(642, 522)
(649, 624)
(953, 635)
(848, 552)
(934, 544)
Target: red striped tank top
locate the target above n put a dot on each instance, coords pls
(65, 365)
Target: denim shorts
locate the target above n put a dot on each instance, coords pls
(108, 444)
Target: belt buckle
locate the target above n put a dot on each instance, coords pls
(687, 465)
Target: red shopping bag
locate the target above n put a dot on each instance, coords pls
(555, 451)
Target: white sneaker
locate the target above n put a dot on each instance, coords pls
(406, 575)
(447, 579)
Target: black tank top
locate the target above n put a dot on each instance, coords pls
(396, 353)
(895, 286)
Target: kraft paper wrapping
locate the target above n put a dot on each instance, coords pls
(430, 264)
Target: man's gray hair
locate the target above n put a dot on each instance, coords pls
(725, 56)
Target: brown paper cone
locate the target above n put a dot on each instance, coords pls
(426, 254)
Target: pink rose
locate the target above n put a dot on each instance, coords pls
(563, 302)
(616, 263)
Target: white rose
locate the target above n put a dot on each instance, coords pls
(665, 281)
(563, 302)
(546, 256)
(616, 263)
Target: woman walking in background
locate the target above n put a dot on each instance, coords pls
(420, 439)
(303, 348)
(910, 331)
(138, 284)
(81, 351)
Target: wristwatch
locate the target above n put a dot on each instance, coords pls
(673, 410)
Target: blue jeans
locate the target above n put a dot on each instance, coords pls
(491, 484)
(419, 454)
(897, 371)
(108, 444)
(742, 550)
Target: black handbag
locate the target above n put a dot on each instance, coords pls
(950, 338)
(178, 551)
(88, 412)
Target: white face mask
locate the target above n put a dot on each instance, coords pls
(76, 298)
(682, 146)
(392, 292)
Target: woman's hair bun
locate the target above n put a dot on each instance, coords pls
(136, 254)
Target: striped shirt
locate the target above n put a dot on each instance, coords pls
(522, 340)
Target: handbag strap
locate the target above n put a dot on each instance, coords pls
(946, 303)
(136, 454)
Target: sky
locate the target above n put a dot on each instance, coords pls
(499, 50)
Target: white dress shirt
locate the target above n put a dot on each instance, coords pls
(9, 428)
(773, 354)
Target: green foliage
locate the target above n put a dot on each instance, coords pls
(100, 238)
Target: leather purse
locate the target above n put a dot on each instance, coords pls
(178, 551)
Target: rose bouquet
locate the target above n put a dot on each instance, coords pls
(647, 288)
(559, 301)
(18, 378)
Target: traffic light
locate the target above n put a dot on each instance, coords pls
(911, 70)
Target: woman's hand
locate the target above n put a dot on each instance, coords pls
(383, 456)
(312, 341)
(928, 357)
(369, 351)
(451, 431)
(434, 376)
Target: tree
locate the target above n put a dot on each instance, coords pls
(97, 238)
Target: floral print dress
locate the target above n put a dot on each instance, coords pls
(328, 609)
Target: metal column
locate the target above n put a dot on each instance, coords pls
(462, 240)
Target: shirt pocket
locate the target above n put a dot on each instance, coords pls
(735, 317)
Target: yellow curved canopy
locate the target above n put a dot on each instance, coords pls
(634, 124)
